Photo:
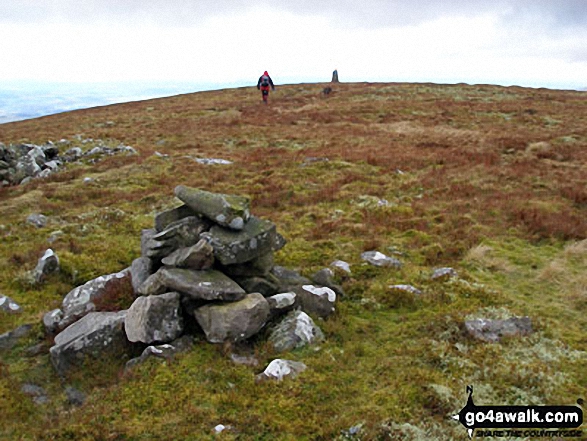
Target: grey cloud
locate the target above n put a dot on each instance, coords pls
(366, 13)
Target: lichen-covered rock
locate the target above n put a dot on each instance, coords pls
(164, 352)
(264, 285)
(257, 238)
(9, 305)
(140, 270)
(182, 233)
(201, 285)
(297, 329)
(80, 301)
(491, 331)
(227, 210)
(282, 302)
(279, 369)
(260, 266)
(289, 278)
(52, 320)
(9, 339)
(379, 259)
(37, 393)
(154, 319)
(94, 334)
(440, 274)
(233, 321)
(316, 300)
(163, 219)
(199, 257)
(153, 285)
(37, 219)
(47, 264)
(342, 266)
(325, 277)
(409, 289)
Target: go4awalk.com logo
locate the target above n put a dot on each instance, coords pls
(520, 421)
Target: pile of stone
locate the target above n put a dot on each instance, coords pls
(20, 163)
(206, 266)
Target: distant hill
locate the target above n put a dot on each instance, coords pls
(31, 99)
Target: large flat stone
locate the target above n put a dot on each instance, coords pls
(199, 257)
(227, 210)
(233, 321)
(201, 285)
(154, 319)
(257, 238)
(93, 335)
(163, 219)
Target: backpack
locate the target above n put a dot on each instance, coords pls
(265, 80)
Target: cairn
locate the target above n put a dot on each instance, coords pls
(208, 265)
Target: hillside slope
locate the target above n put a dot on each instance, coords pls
(485, 179)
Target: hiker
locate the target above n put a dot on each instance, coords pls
(263, 85)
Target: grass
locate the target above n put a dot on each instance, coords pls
(486, 179)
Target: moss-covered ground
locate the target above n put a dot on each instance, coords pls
(488, 180)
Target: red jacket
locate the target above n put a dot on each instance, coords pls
(266, 77)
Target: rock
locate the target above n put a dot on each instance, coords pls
(44, 174)
(36, 219)
(140, 270)
(154, 319)
(379, 259)
(9, 305)
(226, 210)
(491, 331)
(443, 274)
(164, 352)
(52, 165)
(260, 266)
(289, 278)
(279, 369)
(9, 339)
(26, 167)
(258, 237)
(324, 278)
(281, 302)
(153, 285)
(213, 161)
(37, 393)
(36, 350)
(199, 257)
(52, 321)
(74, 153)
(80, 301)
(94, 334)
(316, 300)
(405, 288)
(296, 329)
(233, 321)
(163, 219)
(200, 285)
(37, 154)
(182, 233)
(46, 265)
(267, 286)
(74, 396)
(341, 265)
(146, 236)
(51, 151)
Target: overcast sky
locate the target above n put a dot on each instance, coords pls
(524, 42)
